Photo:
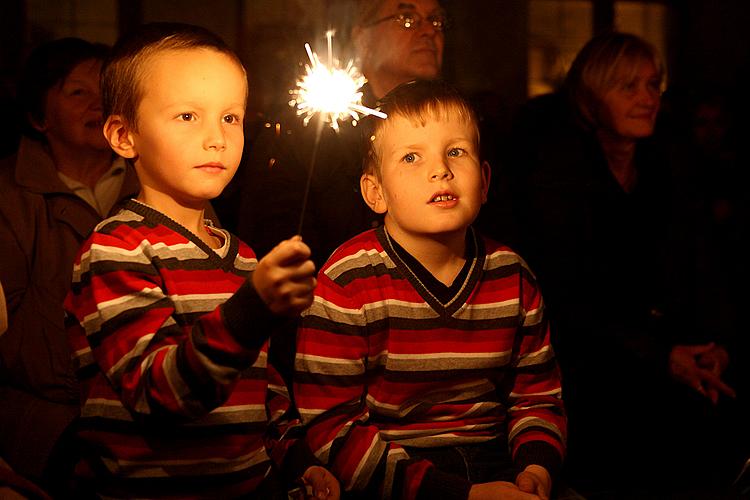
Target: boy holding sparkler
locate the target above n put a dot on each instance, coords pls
(173, 314)
(424, 366)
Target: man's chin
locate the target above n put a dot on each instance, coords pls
(425, 71)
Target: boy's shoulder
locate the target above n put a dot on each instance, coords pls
(136, 225)
(499, 255)
(492, 246)
(369, 249)
(123, 216)
(360, 252)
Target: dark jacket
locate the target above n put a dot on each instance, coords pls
(42, 225)
(625, 276)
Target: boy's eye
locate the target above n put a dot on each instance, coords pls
(409, 158)
(231, 119)
(187, 117)
(456, 152)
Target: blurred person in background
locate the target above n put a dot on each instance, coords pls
(61, 182)
(619, 246)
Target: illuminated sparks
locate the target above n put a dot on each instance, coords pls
(330, 90)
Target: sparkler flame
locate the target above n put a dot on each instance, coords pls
(330, 90)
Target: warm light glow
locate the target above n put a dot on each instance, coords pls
(330, 90)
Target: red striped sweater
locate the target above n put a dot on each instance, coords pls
(171, 351)
(382, 364)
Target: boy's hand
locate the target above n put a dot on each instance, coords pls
(325, 486)
(499, 489)
(285, 278)
(535, 479)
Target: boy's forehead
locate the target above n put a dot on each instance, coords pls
(444, 114)
(172, 61)
(172, 76)
(165, 57)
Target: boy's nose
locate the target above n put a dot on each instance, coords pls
(215, 139)
(441, 171)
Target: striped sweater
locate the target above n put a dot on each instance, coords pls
(170, 345)
(382, 364)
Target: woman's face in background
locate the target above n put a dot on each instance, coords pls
(629, 108)
(73, 109)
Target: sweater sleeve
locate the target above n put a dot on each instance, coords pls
(330, 389)
(128, 329)
(537, 423)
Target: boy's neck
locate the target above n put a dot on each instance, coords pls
(191, 217)
(443, 255)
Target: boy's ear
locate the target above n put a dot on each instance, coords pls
(119, 136)
(486, 173)
(372, 192)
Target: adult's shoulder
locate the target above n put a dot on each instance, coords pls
(16, 201)
(7, 172)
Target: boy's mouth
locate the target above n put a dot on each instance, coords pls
(443, 197)
(211, 167)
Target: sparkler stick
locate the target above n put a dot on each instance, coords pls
(331, 92)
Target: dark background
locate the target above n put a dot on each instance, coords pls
(708, 42)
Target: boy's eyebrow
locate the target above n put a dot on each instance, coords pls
(197, 104)
(423, 145)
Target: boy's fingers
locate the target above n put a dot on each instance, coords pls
(303, 272)
(289, 251)
(526, 482)
(319, 479)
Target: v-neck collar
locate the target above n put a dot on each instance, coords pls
(225, 262)
(415, 272)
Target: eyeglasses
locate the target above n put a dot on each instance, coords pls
(412, 20)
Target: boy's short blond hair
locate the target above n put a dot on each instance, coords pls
(122, 73)
(602, 63)
(419, 101)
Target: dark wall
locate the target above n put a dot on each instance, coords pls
(713, 43)
(485, 50)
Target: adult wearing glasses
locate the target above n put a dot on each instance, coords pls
(395, 41)
(613, 235)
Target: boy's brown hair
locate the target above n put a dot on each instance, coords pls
(418, 101)
(123, 71)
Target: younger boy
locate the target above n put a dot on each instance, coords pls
(175, 314)
(424, 367)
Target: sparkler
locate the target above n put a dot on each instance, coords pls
(331, 92)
